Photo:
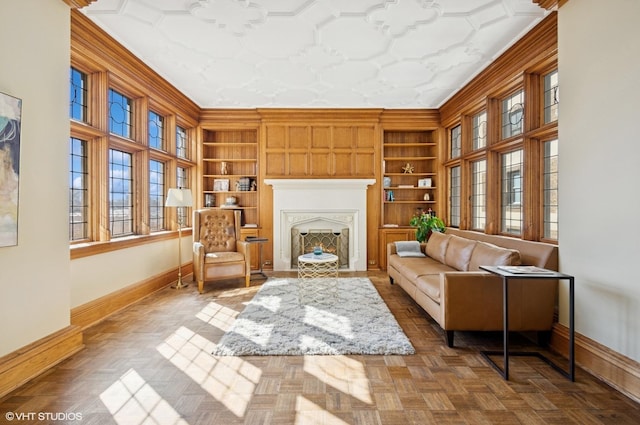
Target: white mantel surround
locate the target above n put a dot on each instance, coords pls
(338, 201)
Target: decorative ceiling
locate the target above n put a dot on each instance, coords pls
(317, 53)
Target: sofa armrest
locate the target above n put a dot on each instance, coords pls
(244, 248)
(198, 261)
(471, 300)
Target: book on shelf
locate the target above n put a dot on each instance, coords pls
(525, 270)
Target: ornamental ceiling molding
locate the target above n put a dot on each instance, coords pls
(392, 54)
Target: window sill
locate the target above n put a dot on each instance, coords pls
(95, 248)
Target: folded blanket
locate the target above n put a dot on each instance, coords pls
(409, 249)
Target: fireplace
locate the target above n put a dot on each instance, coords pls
(325, 204)
(332, 242)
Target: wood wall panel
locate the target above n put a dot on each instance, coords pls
(297, 164)
(365, 164)
(321, 137)
(275, 137)
(298, 137)
(343, 137)
(365, 137)
(274, 163)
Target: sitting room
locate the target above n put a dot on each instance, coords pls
(308, 141)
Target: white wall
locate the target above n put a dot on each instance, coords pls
(599, 69)
(34, 275)
(98, 275)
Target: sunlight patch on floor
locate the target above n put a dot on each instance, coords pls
(132, 401)
(230, 380)
(218, 315)
(342, 373)
(309, 413)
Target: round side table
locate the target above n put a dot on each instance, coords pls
(311, 266)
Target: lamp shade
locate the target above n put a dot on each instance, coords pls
(179, 198)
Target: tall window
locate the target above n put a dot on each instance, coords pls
(156, 130)
(181, 142)
(550, 190)
(78, 95)
(156, 195)
(456, 141)
(119, 114)
(511, 199)
(182, 181)
(78, 190)
(454, 196)
(551, 97)
(480, 130)
(513, 115)
(479, 195)
(120, 193)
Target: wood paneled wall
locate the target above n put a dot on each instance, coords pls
(321, 143)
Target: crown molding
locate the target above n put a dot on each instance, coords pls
(550, 4)
(78, 4)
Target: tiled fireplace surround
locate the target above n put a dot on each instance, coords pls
(333, 204)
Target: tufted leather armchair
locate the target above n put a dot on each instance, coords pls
(218, 252)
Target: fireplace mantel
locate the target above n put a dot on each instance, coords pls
(326, 199)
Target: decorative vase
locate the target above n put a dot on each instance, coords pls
(317, 250)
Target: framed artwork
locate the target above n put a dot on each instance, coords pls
(221, 185)
(424, 182)
(10, 113)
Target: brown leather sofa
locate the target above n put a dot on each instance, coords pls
(448, 284)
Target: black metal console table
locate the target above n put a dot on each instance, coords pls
(545, 274)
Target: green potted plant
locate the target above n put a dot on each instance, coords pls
(426, 222)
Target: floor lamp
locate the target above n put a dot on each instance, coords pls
(179, 198)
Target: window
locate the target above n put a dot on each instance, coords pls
(456, 141)
(78, 95)
(550, 190)
(156, 195)
(454, 196)
(479, 195)
(182, 181)
(511, 199)
(156, 130)
(181, 142)
(120, 193)
(119, 114)
(480, 130)
(551, 97)
(513, 115)
(78, 190)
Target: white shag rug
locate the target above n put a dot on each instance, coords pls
(318, 317)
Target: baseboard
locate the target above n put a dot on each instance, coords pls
(99, 309)
(618, 371)
(22, 365)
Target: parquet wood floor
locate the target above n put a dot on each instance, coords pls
(150, 364)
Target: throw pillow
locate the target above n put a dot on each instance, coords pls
(409, 249)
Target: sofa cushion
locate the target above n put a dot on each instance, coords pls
(411, 268)
(437, 246)
(409, 249)
(459, 252)
(429, 284)
(486, 254)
